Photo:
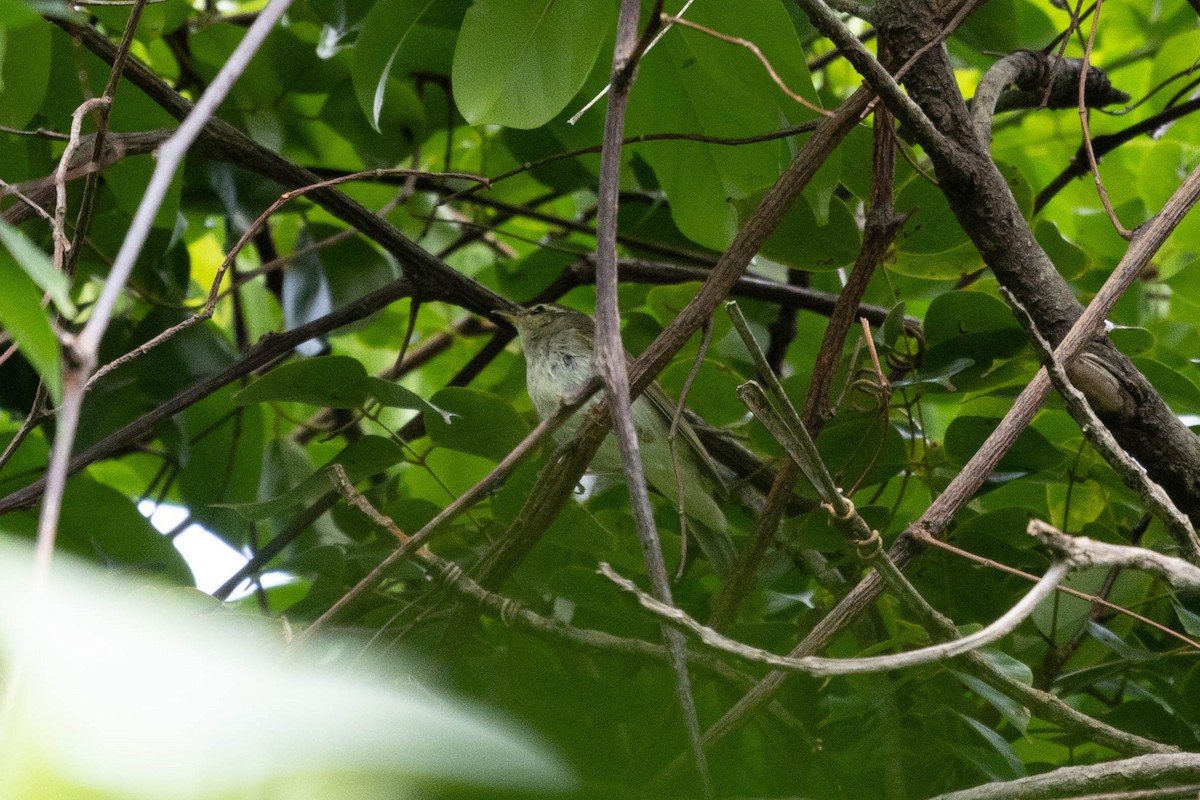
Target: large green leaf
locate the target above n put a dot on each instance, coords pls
(686, 85)
(482, 424)
(518, 62)
(383, 34)
(1030, 452)
(127, 693)
(336, 381)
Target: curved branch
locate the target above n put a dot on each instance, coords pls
(1151, 770)
(819, 666)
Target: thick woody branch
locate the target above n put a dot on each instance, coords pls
(1043, 81)
(985, 208)
(1176, 523)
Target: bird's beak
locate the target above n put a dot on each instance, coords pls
(508, 316)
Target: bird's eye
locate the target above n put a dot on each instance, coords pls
(538, 309)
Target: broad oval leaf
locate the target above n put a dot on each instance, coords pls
(102, 651)
(483, 424)
(1031, 451)
(335, 381)
(686, 84)
(518, 62)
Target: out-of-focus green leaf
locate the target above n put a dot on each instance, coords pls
(100, 711)
(24, 72)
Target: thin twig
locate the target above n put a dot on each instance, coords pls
(1124, 232)
(512, 613)
(640, 49)
(724, 141)
(672, 439)
(83, 219)
(61, 243)
(609, 362)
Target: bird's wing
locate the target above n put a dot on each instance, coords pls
(686, 433)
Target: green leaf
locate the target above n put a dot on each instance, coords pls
(861, 449)
(363, 458)
(801, 242)
(1031, 451)
(1118, 645)
(1016, 714)
(383, 34)
(393, 395)
(955, 314)
(1131, 341)
(974, 326)
(22, 316)
(1059, 618)
(519, 62)
(1175, 388)
(1070, 261)
(933, 245)
(1190, 620)
(940, 376)
(39, 267)
(1015, 768)
(24, 72)
(334, 381)
(482, 424)
(13, 15)
(684, 85)
(110, 650)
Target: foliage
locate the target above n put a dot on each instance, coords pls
(487, 88)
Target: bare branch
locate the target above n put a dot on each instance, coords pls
(609, 362)
(1120, 776)
(1088, 553)
(825, 667)
(1176, 522)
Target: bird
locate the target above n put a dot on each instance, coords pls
(558, 343)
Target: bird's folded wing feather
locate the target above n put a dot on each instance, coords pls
(687, 435)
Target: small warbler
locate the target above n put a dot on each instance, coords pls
(558, 344)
